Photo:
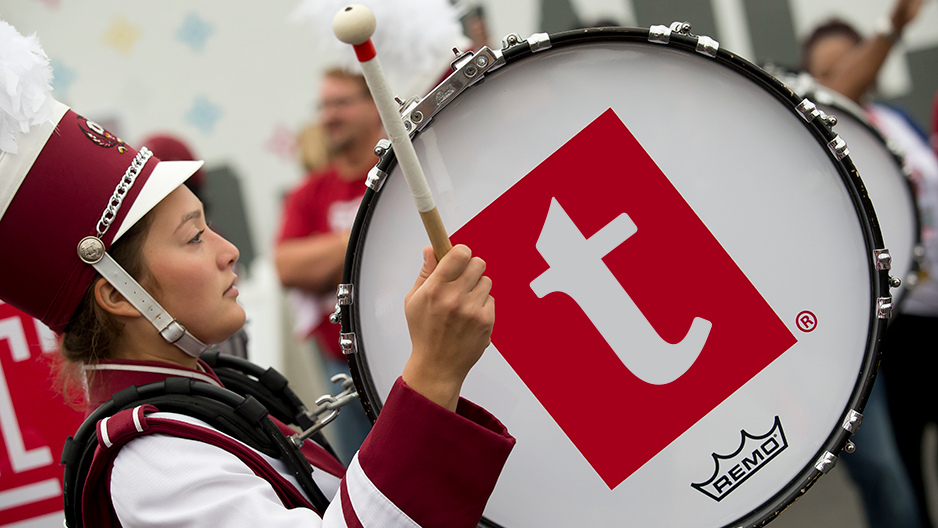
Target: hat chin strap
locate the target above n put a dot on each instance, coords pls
(171, 330)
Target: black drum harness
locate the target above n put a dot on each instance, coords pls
(241, 410)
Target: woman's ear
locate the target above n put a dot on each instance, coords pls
(111, 300)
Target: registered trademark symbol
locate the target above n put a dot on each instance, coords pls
(807, 321)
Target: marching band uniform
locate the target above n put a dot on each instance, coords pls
(909, 346)
(443, 466)
(68, 191)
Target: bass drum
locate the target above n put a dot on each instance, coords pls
(885, 175)
(685, 267)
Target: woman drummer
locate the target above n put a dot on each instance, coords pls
(114, 253)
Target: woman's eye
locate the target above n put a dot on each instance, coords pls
(197, 239)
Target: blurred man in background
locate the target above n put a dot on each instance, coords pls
(314, 233)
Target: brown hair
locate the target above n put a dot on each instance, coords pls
(339, 73)
(92, 332)
(832, 28)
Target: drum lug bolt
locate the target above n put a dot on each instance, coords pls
(471, 71)
(894, 282)
(850, 447)
(417, 116)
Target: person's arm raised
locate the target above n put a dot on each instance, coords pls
(856, 72)
(450, 315)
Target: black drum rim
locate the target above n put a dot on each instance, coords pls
(863, 207)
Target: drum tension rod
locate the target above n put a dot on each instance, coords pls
(343, 298)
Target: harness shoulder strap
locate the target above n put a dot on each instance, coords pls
(115, 431)
(88, 455)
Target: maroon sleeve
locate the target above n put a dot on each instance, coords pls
(437, 466)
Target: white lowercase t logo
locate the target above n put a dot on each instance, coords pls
(604, 269)
(577, 269)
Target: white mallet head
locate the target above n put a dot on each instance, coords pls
(354, 24)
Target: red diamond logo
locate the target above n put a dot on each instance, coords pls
(600, 266)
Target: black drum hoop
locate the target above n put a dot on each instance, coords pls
(863, 206)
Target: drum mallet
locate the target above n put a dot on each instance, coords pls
(354, 24)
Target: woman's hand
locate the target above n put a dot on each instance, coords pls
(450, 315)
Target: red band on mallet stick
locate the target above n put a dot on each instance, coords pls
(365, 51)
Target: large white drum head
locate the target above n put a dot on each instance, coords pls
(727, 221)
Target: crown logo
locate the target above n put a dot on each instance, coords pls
(753, 454)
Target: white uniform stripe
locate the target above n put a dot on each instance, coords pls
(103, 428)
(372, 507)
(136, 413)
(334, 516)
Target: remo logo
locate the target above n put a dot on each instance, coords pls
(603, 273)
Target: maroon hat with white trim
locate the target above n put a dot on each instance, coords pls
(64, 178)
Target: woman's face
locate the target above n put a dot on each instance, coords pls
(192, 268)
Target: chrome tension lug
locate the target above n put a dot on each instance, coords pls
(883, 259)
(808, 110)
(826, 463)
(884, 307)
(348, 343)
(852, 421)
(539, 42)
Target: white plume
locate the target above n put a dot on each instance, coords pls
(414, 38)
(25, 85)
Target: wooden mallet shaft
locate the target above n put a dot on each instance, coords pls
(354, 24)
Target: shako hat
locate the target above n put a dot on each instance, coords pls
(68, 190)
